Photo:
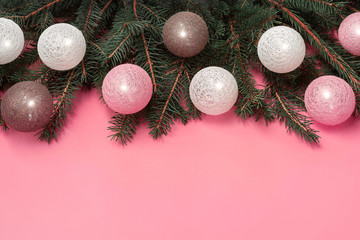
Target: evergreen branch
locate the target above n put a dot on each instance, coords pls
(158, 126)
(146, 50)
(147, 8)
(60, 101)
(106, 6)
(47, 6)
(62, 106)
(83, 68)
(2, 122)
(329, 54)
(97, 46)
(295, 121)
(237, 46)
(352, 8)
(112, 54)
(88, 16)
(46, 17)
(288, 113)
(124, 127)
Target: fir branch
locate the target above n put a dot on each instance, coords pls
(146, 50)
(42, 8)
(88, 16)
(294, 121)
(62, 106)
(160, 121)
(2, 122)
(118, 47)
(328, 53)
(106, 6)
(124, 127)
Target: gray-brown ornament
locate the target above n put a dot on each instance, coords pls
(27, 106)
(185, 34)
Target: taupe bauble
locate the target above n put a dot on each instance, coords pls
(185, 34)
(27, 106)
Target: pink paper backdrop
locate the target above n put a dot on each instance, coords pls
(220, 178)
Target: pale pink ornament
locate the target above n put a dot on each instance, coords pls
(349, 33)
(329, 100)
(127, 88)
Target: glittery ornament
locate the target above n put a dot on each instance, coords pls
(349, 33)
(27, 106)
(213, 90)
(11, 41)
(127, 88)
(329, 100)
(61, 46)
(281, 49)
(185, 34)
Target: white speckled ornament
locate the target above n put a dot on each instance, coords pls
(11, 41)
(61, 46)
(213, 90)
(281, 49)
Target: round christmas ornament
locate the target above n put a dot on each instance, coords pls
(281, 49)
(11, 41)
(185, 34)
(127, 88)
(329, 100)
(213, 90)
(27, 106)
(61, 46)
(349, 33)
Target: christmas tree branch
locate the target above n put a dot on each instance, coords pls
(124, 127)
(294, 121)
(326, 51)
(146, 50)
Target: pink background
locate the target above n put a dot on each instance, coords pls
(220, 178)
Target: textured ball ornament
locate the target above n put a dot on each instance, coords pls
(281, 49)
(185, 34)
(61, 46)
(349, 33)
(127, 88)
(27, 106)
(329, 100)
(213, 90)
(11, 41)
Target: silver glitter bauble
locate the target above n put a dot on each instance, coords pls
(11, 41)
(185, 34)
(27, 106)
(61, 46)
(213, 90)
(281, 49)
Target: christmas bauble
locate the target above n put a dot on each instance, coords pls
(185, 34)
(127, 88)
(349, 33)
(61, 46)
(213, 90)
(281, 49)
(11, 41)
(27, 106)
(329, 100)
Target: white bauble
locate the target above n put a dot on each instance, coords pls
(11, 41)
(213, 90)
(61, 46)
(281, 49)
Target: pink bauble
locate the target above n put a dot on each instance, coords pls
(349, 33)
(329, 100)
(127, 88)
